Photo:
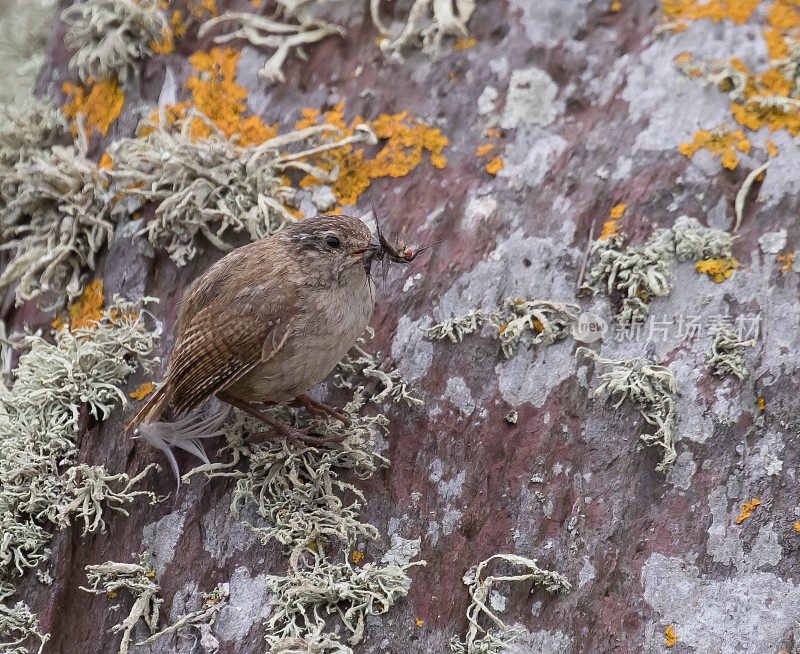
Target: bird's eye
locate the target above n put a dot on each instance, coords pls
(332, 242)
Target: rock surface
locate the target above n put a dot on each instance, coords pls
(593, 112)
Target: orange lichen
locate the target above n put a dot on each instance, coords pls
(718, 269)
(495, 166)
(718, 141)
(105, 161)
(404, 143)
(217, 95)
(166, 44)
(784, 14)
(747, 510)
(737, 11)
(767, 99)
(797, 526)
(419, 622)
(464, 44)
(493, 133)
(143, 391)
(203, 8)
(86, 310)
(484, 149)
(671, 637)
(762, 405)
(215, 90)
(787, 261)
(776, 44)
(616, 6)
(618, 211)
(177, 25)
(609, 229)
(357, 556)
(101, 104)
(772, 149)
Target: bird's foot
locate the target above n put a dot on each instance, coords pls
(319, 409)
(280, 429)
(297, 436)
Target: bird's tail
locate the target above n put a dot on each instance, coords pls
(151, 410)
(184, 434)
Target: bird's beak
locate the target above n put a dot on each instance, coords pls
(368, 254)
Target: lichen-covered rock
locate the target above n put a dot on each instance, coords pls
(696, 557)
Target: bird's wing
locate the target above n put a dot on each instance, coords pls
(223, 342)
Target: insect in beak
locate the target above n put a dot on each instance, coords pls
(379, 249)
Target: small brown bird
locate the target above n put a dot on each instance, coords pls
(263, 325)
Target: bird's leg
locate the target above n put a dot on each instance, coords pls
(319, 409)
(280, 428)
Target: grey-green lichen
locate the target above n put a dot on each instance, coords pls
(55, 216)
(55, 388)
(291, 26)
(24, 28)
(725, 357)
(639, 272)
(18, 625)
(694, 242)
(138, 579)
(297, 23)
(92, 489)
(360, 364)
(789, 66)
(211, 186)
(456, 328)
(297, 491)
(651, 388)
(499, 636)
(300, 498)
(643, 272)
(518, 321)
(28, 125)
(428, 22)
(203, 620)
(111, 37)
(717, 72)
(317, 587)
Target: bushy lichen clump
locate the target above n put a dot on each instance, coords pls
(651, 388)
(427, 24)
(725, 356)
(318, 586)
(291, 26)
(518, 321)
(639, 273)
(209, 185)
(138, 579)
(111, 37)
(694, 242)
(296, 23)
(55, 207)
(202, 619)
(643, 272)
(301, 500)
(500, 636)
(24, 28)
(56, 388)
(26, 126)
(360, 364)
(17, 627)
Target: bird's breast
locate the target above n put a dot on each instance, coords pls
(331, 321)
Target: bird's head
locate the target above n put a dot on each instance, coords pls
(342, 246)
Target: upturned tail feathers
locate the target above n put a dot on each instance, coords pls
(151, 410)
(184, 434)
